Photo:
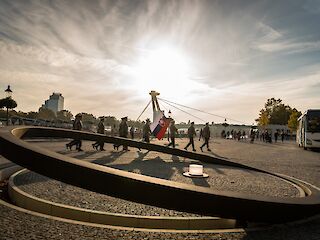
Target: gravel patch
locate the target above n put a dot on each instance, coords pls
(223, 179)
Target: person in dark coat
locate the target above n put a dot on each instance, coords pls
(252, 135)
(276, 134)
(173, 130)
(282, 135)
(123, 132)
(147, 131)
(191, 134)
(77, 125)
(101, 131)
(206, 136)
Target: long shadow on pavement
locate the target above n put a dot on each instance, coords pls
(108, 158)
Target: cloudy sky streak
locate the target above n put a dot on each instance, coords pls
(237, 53)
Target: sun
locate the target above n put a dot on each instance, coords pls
(163, 70)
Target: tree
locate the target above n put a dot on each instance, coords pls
(46, 114)
(110, 121)
(275, 112)
(64, 115)
(3, 113)
(293, 120)
(8, 103)
(88, 118)
(33, 115)
(263, 119)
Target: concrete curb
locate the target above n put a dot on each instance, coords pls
(8, 171)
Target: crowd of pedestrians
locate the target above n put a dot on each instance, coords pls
(144, 133)
(252, 134)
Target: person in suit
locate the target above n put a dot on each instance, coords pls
(100, 130)
(173, 130)
(206, 136)
(191, 134)
(123, 132)
(147, 131)
(77, 125)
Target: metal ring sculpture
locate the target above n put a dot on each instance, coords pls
(150, 190)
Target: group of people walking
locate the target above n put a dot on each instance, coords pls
(204, 133)
(266, 136)
(146, 134)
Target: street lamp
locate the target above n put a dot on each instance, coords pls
(225, 124)
(8, 91)
(169, 116)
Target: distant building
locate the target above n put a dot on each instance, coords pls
(54, 103)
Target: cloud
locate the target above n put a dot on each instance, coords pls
(87, 50)
(313, 6)
(289, 47)
(271, 41)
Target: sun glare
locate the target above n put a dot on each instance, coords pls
(164, 69)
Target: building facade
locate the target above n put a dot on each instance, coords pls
(54, 103)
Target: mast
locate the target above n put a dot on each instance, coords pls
(155, 105)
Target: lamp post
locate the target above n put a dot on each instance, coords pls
(225, 124)
(169, 116)
(8, 92)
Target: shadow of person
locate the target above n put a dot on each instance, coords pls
(202, 182)
(108, 158)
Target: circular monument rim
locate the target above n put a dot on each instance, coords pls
(150, 190)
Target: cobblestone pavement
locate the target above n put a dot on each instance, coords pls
(283, 158)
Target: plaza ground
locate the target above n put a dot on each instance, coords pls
(285, 158)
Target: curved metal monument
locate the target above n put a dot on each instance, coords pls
(150, 190)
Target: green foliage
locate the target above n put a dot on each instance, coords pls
(136, 124)
(263, 119)
(275, 112)
(89, 118)
(46, 114)
(293, 120)
(32, 115)
(3, 114)
(64, 115)
(111, 121)
(19, 114)
(8, 103)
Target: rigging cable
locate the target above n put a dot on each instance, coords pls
(164, 107)
(167, 101)
(144, 110)
(182, 110)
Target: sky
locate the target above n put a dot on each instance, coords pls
(220, 56)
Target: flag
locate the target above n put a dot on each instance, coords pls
(159, 125)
